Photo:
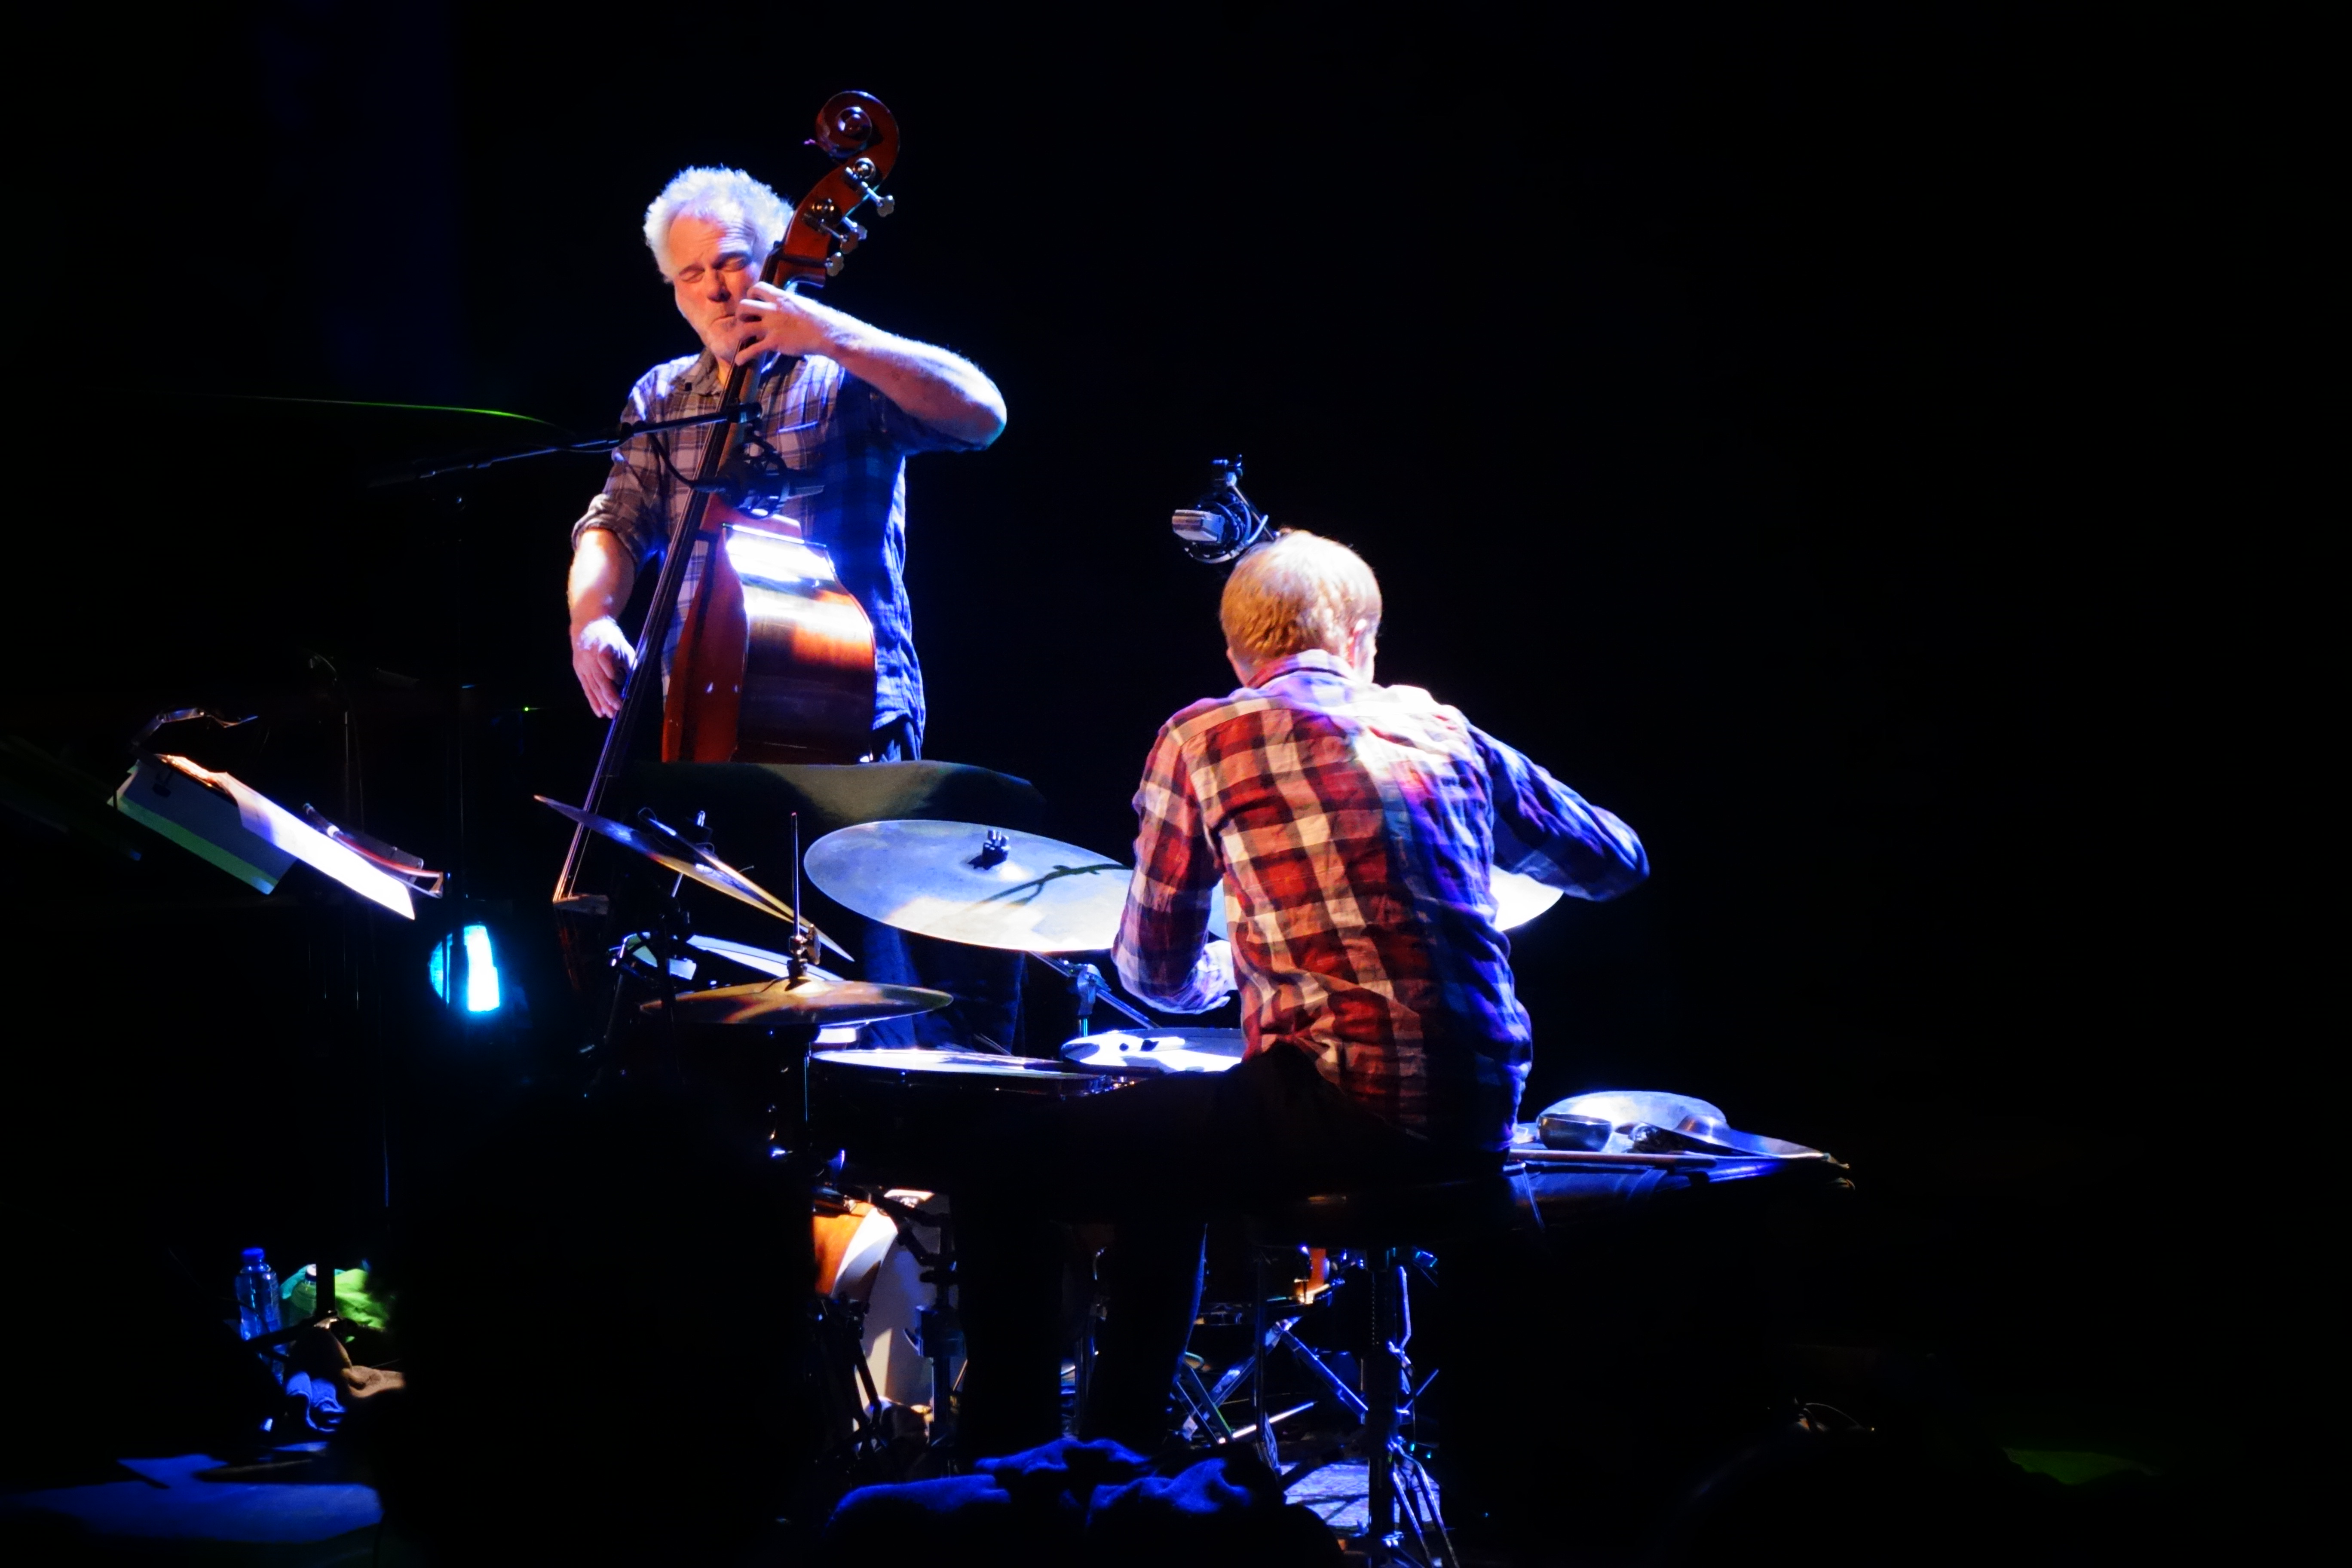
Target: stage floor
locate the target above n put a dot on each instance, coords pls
(286, 1509)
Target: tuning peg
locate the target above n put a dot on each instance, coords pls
(831, 221)
(860, 172)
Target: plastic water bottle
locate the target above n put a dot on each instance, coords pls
(256, 1297)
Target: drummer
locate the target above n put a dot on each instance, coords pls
(1357, 827)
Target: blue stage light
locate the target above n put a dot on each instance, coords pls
(481, 971)
(465, 962)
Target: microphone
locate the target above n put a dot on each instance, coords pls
(1221, 524)
(756, 482)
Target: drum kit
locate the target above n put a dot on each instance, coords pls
(961, 882)
(905, 1114)
(956, 881)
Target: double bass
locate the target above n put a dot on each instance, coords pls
(775, 659)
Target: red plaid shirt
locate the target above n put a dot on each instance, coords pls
(1354, 825)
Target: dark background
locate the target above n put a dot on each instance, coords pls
(1799, 426)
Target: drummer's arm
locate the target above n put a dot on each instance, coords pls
(1163, 953)
(1546, 831)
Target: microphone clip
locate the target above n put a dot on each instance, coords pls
(1221, 524)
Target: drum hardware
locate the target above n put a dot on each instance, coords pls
(791, 1009)
(1087, 987)
(1201, 1412)
(1379, 1411)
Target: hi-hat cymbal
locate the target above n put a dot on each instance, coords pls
(962, 882)
(815, 1002)
(759, 958)
(690, 861)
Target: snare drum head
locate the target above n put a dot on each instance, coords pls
(1155, 1051)
(945, 1064)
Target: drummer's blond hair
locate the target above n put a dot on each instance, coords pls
(1296, 592)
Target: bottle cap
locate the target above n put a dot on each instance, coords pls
(253, 1255)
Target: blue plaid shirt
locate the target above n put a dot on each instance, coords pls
(832, 429)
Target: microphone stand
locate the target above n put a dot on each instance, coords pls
(424, 468)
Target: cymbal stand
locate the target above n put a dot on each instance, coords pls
(801, 951)
(1087, 987)
(665, 940)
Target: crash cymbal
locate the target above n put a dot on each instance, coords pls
(814, 1002)
(962, 882)
(690, 861)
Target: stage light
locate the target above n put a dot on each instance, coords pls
(481, 971)
(464, 966)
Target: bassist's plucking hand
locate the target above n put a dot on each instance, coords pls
(602, 577)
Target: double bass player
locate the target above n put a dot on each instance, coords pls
(854, 403)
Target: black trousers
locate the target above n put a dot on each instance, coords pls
(1155, 1161)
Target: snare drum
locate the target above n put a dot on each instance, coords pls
(1122, 1054)
(913, 1115)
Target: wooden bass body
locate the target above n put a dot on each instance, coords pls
(775, 659)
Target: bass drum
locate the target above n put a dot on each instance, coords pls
(864, 1258)
(1119, 1053)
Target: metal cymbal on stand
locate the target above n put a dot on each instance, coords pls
(665, 848)
(967, 882)
(986, 887)
(779, 964)
(811, 1001)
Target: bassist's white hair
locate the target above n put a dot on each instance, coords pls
(723, 196)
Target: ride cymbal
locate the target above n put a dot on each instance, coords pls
(964, 882)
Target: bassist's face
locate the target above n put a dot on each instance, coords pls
(712, 268)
